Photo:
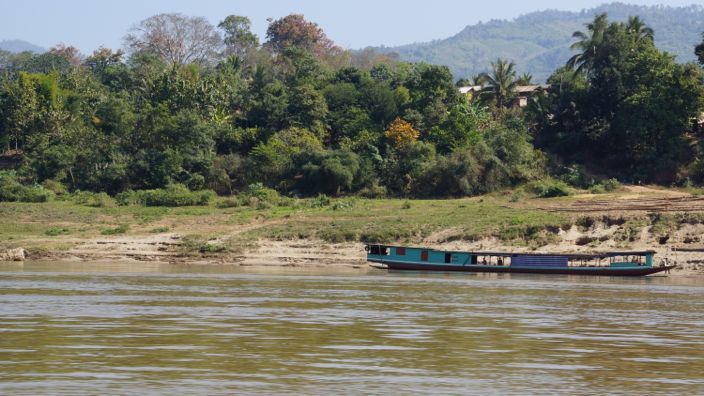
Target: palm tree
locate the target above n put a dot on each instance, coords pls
(525, 79)
(502, 80)
(639, 30)
(588, 43)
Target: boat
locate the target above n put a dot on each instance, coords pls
(625, 263)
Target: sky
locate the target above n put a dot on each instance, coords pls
(89, 24)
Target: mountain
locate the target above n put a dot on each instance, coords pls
(539, 42)
(16, 46)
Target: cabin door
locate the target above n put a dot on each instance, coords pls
(424, 255)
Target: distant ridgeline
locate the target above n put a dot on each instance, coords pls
(17, 46)
(539, 42)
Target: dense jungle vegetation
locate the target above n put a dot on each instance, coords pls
(191, 106)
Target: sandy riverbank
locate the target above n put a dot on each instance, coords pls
(312, 254)
(303, 235)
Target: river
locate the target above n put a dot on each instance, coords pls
(150, 329)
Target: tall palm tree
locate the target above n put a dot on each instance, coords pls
(636, 27)
(588, 43)
(525, 79)
(502, 81)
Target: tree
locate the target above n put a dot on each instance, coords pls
(525, 79)
(640, 32)
(70, 53)
(588, 43)
(699, 51)
(307, 108)
(630, 112)
(502, 81)
(175, 38)
(294, 31)
(19, 108)
(239, 39)
(102, 58)
(401, 132)
(330, 172)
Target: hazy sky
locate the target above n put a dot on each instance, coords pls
(88, 24)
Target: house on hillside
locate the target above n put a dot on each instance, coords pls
(523, 92)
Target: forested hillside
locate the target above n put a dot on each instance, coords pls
(194, 107)
(539, 42)
(16, 46)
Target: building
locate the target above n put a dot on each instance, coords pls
(523, 92)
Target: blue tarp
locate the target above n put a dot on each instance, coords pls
(539, 261)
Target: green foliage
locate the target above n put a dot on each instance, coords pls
(330, 173)
(94, 200)
(294, 115)
(172, 196)
(212, 248)
(121, 229)
(13, 191)
(55, 231)
(548, 188)
(539, 42)
(625, 104)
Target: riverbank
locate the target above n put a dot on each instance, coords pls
(332, 233)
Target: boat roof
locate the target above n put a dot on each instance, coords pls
(503, 254)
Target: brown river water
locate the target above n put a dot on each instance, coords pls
(150, 329)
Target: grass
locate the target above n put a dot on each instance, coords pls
(236, 222)
(121, 229)
(330, 219)
(54, 231)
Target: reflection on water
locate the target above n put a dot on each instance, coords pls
(89, 328)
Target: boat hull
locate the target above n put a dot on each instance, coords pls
(599, 271)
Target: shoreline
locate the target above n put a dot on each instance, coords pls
(300, 234)
(288, 254)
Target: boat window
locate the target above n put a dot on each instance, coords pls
(374, 249)
(448, 257)
(424, 255)
(474, 259)
(400, 251)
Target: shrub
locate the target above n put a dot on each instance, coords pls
(212, 248)
(337, 235)
(343, 204)
(611, 185)
(516, 196)
(54, 231)
(597, 189)
(320, 201)
(173, 195)
(94, 200)
(121, 229)
(406, 205)
(129, 197)
(549, 188)
(585, 222)
(265, 194)
(605, 186)
(229, 203)
(56, 187)
(373, 191)
(12, 191)
(584, 240)
(159, 230)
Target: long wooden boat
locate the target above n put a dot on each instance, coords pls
(626, 263)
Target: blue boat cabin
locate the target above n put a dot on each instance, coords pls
(400, 254)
